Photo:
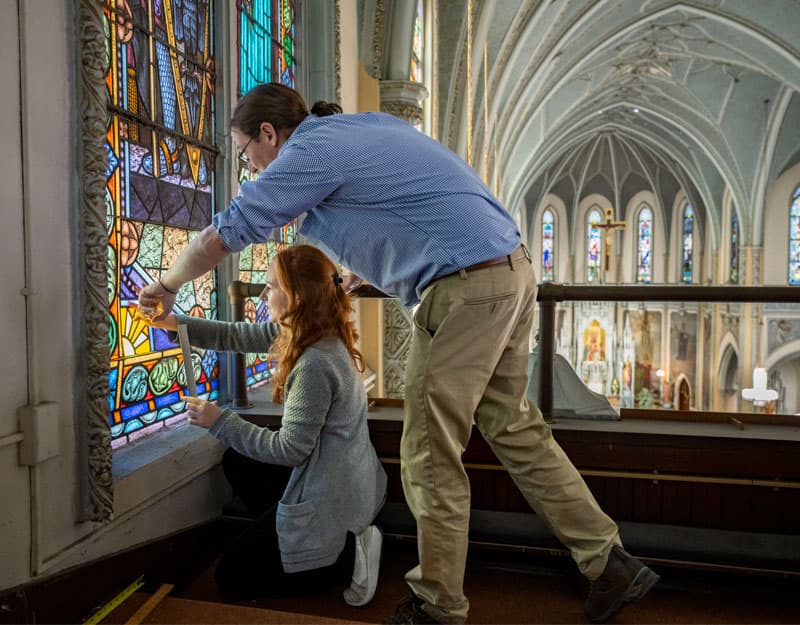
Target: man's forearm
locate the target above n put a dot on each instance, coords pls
(202, 254)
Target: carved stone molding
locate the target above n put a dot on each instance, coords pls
(757, 253)
(396, 341)
(94, 255)
(403, 99)
(337, 28)
(377, 39)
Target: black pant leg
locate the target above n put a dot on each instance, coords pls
(251, 568)
(258, 484)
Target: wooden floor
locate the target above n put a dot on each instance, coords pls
(503, 588)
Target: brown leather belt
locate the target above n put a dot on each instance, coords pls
(518, 254)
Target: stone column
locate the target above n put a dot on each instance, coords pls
(403, 99)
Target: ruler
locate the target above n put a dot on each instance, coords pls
(188, 367)
(115, 602)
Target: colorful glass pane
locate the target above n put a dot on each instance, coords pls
(417, 69)
(266, 43)
(734, 275)
(266, 54)
(160, 192)
(547, 246)
(688, 243)
(594, 245)
(794, 239)
(644, 263)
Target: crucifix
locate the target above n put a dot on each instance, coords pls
(608, 226)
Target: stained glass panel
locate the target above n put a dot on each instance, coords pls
(734, 275)
(594, 246)
(547, 246)
(644, 264)
(160, 192)
(266, 54)
(688, 243)
(266, 43)
(794, 239)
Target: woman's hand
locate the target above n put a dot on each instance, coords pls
(170, 322)
(201, 412)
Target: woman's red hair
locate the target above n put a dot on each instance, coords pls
(317, 307)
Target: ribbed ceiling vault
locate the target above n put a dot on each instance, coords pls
(696, 95)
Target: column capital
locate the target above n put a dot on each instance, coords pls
(403, 99)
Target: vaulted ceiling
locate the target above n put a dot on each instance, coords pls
(700, 95)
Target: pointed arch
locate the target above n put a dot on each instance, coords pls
(594, 244)
(687, 244)
(561, 254)
(794, 237)
(548, 245)
(644, 245)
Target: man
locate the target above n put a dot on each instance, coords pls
(408, 215)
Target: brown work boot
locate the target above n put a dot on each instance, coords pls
(409, 611)
(625, 580)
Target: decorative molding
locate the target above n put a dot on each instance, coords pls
(403, 99)
(94, 255)
(757, 253)
(396, 341)
(377, 39)
(337, 29)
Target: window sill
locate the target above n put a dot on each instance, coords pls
(152, 467)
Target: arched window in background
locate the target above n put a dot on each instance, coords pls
(266, 54)
(161, 155)
(594, 245)
(418, 53)
(734, 275)
(417, 67)
(548, 240)
(644, 256)
(794, 238)
(688, 244)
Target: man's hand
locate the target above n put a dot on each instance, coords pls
(155, 301)
(202, 413)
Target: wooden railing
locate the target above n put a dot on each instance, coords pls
(550, 293)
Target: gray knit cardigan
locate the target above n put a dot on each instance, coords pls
(337, 484)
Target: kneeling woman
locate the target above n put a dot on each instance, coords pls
(320, 533)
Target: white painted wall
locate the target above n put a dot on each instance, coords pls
(40, 516)
(14, 487)
(348, 49)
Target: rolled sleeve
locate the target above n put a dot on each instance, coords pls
(294, 183)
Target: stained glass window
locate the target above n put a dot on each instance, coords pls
(734, 275)
(547, 246)
(794, 238)
(266, 54)
(594, 246)
(266, 43)
(644, 257)
(160, 192)
(417, 69)
(688, 243)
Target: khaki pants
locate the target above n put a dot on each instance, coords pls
(468, 360)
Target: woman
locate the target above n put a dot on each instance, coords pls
(320, 532)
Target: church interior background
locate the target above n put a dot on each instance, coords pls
(635, 142)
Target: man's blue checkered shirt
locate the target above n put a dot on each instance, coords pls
(391, 204)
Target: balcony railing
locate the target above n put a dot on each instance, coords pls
(549, 295)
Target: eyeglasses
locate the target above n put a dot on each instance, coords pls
(243, 158)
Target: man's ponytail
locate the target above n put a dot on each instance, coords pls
(322, 108)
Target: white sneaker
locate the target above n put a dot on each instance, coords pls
(365, 568)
